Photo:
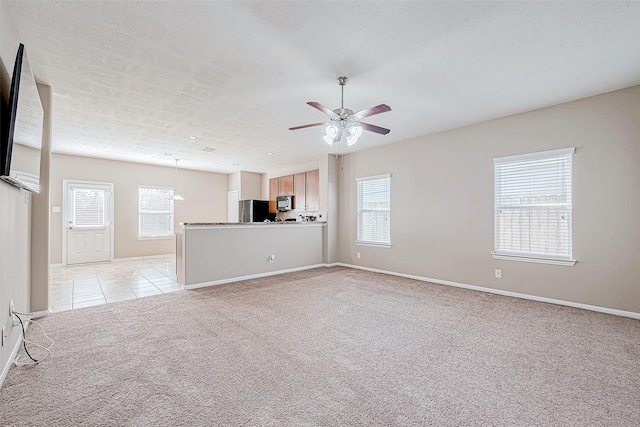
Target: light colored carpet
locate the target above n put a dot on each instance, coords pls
(330, 347)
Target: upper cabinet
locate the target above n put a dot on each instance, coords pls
(312, 193)
(285, 185)
(273, 193)
(299, 190)
(304, 186)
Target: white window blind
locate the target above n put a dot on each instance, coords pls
(374, 210)
(533, 205)
(155, 212)
(88, 207)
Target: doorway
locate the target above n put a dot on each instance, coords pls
(88, 225)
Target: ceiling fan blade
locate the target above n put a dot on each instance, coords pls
(308, 126)
(382, 108)
(324, 109)
(374, 128)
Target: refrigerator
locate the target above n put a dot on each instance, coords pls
(253, 210)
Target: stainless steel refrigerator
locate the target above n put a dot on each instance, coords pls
(253, 210)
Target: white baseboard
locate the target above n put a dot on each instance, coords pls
(12, 357)
(252, 276)
(599, 309)
(39, 314)
(135, 258)
(141, 258)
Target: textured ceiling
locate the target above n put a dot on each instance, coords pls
(131, 80)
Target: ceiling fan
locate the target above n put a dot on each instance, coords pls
(345, 121)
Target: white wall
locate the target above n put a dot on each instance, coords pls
(205, 196)
(442, 202)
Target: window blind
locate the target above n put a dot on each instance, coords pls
(533, 204)
(374, 210)
(155, 212)
(88, 207)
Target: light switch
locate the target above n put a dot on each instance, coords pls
(55, 209)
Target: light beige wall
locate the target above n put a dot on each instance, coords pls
(15, 249)
(205, 196)
(40, 220)
(328, 193)
(15, 214)
(234, 181)
(226, 252)
(442, 202)
(250, 186)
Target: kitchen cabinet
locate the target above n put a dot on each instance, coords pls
(304, 186)
(299, 182)
(273, 193)
(285, 185)
(312, 190)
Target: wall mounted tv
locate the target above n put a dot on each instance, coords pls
(21, 141)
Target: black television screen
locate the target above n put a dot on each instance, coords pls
(22, 128)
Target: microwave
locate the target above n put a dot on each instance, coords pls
(284, 203)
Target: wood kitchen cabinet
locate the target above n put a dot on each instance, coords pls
(299, 191)
(312, 190)
(304, 186)
(273, 193)
(285, 185)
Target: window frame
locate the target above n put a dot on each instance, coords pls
(171, 213)
(380, 244)
(532, 256)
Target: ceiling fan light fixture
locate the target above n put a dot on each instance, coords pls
(353, 134)
(331, 132)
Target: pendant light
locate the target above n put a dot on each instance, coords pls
(175, 195)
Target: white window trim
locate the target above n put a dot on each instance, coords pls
(525, 257)
(538, 260)
(173, 213)
(375, 245)
(364, 242)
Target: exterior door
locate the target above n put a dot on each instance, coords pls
(88, 222)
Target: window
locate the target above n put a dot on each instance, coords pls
(155, 212)
(533, 207)
(88, 208)
(374, 208)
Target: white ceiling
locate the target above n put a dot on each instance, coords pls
(131, 80)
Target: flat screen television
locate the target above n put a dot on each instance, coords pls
(21, 141)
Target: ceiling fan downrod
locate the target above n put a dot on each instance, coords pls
(342, 80)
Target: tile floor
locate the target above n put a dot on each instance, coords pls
(84, 285)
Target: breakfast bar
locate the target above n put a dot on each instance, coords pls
(215, 253)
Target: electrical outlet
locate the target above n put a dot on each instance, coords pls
(272, 258)
(358, 255)
(498, 274)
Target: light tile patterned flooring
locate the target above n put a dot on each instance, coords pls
(84, 285)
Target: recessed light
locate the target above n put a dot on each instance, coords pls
(209, 149)
(269, 153)
(236, 164)
(167, 154)
(192, 137)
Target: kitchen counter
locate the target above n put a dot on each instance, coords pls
(247, 224)
(220, 252)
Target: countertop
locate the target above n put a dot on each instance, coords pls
(249, 224)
